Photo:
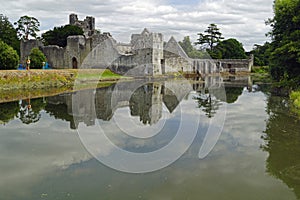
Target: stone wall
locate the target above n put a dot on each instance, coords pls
(146, 54)
(55, 56)
(25, 48)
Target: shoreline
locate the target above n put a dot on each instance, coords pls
(22, 84)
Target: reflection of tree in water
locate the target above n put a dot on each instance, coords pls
(60, 111)
(233, 93)
(30, 110)
(208, 102)
(8, 111)
(282, 138)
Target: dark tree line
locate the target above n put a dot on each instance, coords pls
(285, 46)
(212, 42)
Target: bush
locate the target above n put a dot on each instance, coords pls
(9, 58)
(295, 97)
(37, 58)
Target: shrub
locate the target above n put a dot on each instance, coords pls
(9, 58)
(37, 58)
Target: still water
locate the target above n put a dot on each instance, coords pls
(47, 148)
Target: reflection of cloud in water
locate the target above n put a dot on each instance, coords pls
(30, 152)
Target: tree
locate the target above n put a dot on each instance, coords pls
(8, 33)
(186, 44)
(261, 54)
(229, 49)
(27, 26)
(9, 58)
(58, 36)
(213, 37)
(37, 58)
(190, 50)
(285, 34)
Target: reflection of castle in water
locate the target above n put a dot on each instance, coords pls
(145, 100)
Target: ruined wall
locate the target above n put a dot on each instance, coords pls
(175, 59)
(205, 66)
(55, 56)
(25, 48)
(138, 64)
(174, 63)
(236, 64)
(77, 49)
(148, 43)
(87, 25)
(102, 56)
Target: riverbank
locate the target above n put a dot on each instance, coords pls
(47, 79)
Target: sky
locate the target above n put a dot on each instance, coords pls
(240, 19)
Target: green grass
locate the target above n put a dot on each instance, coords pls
(99, 75)
(295, 98)
(33, 79)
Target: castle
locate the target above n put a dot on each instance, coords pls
(146, 54)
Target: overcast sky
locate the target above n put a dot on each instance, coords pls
(240, 19)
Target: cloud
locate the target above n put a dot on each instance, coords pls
(240, 19)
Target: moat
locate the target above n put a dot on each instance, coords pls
(256, 155)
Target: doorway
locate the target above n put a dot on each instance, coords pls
(74, 63)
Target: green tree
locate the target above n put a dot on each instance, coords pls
(9, 58)
(229, 49)
(285, 34)
(27, 26)
(190, 50)
(211, 37)
(37, 58)
(58, 36)
(8, 33)
(261, 54)
(186, 44)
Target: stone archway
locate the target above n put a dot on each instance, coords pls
(74, 63)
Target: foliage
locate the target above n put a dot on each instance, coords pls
(30, 110)
(8, 33)
(9, 58)
(190, 50)
(208, 103)
(228, 49)
(233, 93)
(27, 26)
(295, 97)
(282, 143)
(261, 54)
(261, 70)
(8, 111)
(285, 33)
(212, 37)
(37, 58)
(58, 36)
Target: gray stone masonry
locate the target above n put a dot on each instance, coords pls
(145, 55)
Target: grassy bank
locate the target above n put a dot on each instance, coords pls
(295, 98)
(41, 79)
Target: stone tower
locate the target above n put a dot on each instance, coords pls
(149, 47)
(87, 25)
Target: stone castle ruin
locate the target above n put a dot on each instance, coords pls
(146, 54)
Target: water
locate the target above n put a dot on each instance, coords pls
(46, 151)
